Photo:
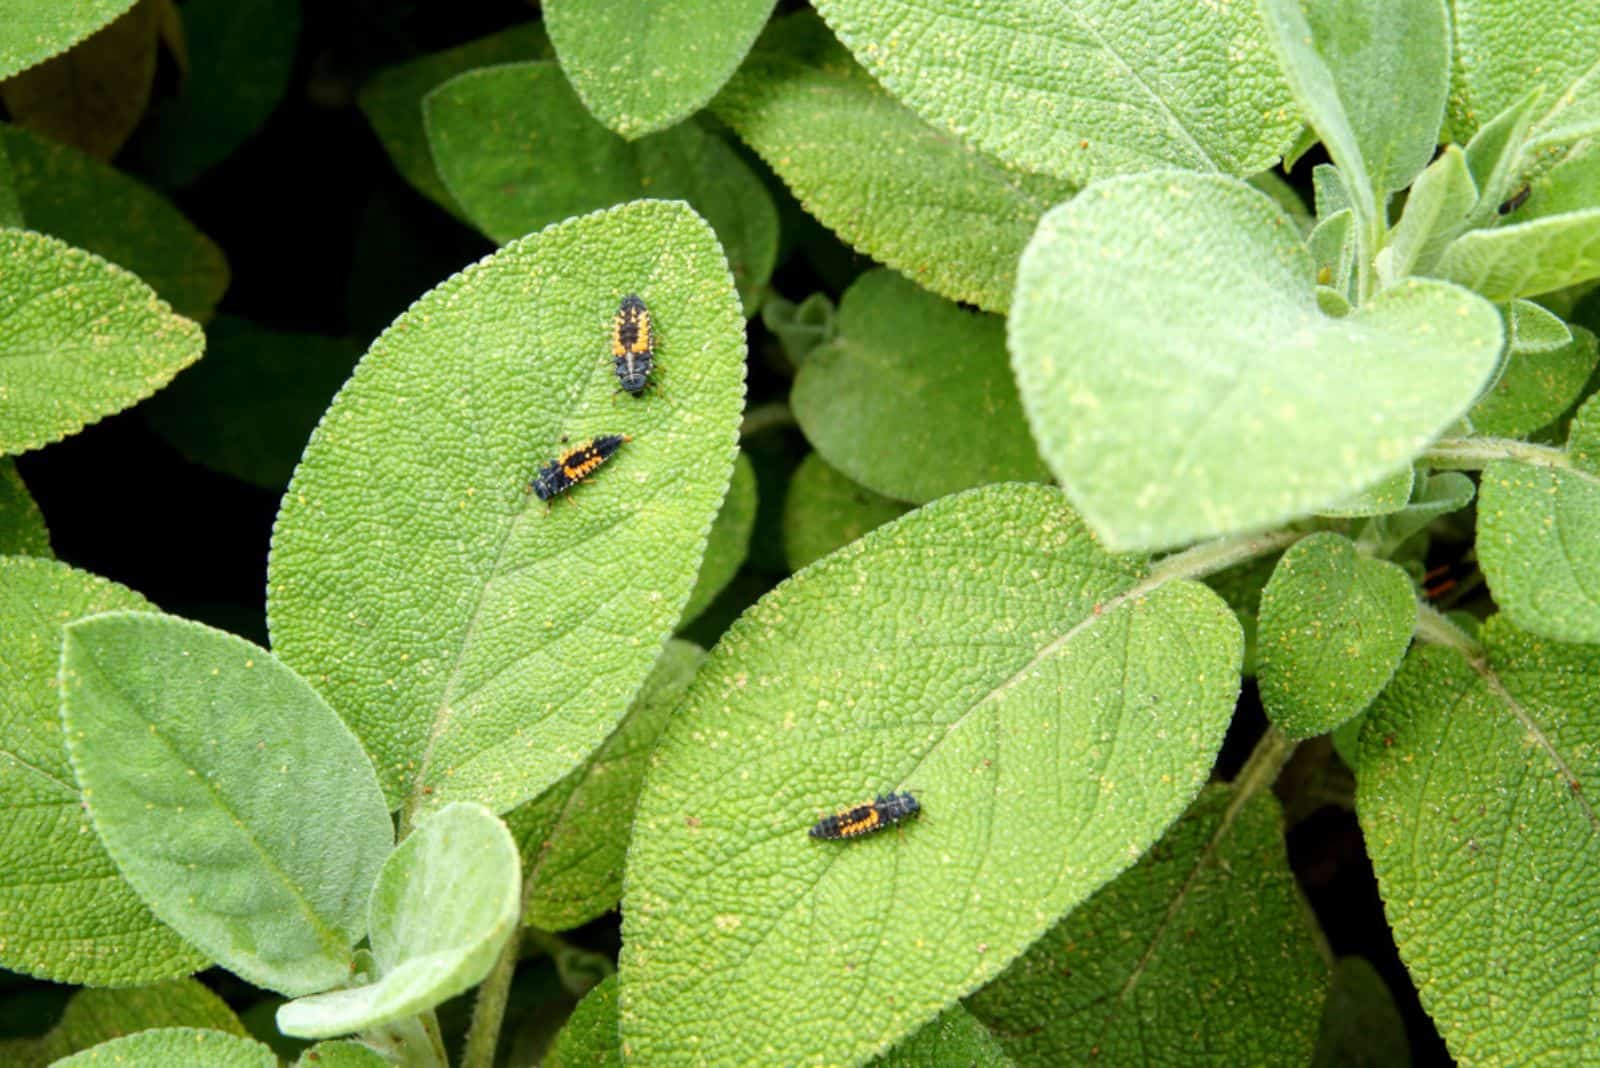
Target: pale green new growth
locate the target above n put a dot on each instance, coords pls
(1526, 259)
(1333, 628)
(32, 31)
(1474, 805)
(643, 67)
(65, 912)
(169, 1046)
(1436, 211)
(729, 540)
(1504, 49)
(1083, 88)
(444, 905)
(913, 398)
(825, 510)
(482, 646)
(233, 800)
(80, 338)
(932, 207)
(1051, 712)
(1182, 382)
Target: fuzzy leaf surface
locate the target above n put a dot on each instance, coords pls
(1200, 954)
(32, 31)
(978, 681)
(80, 338)
(1526, 259)
(1182, 382)
(1501, 51)
(943, 214)
(95, 1016)
(824, 510)
(233, 800)
(729, 541)
(66, 914)
(640, 68)
(1471, 794)
(447, 635)
(913, 398)
(1535, 388)
(589, 1039)
(166, 1046)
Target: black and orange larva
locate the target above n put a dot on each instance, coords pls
(883, 811)
(633, 344)
(1516, 200)
(574, 465)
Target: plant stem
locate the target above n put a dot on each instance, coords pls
(1473, 454)
(1261, 768)
(489, 1010)
(1220, 554)
(1434, 627)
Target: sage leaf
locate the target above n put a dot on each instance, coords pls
(589, 1039)
(1537, 387)
(95, 1016)
(1503, 50)
(978, 681)
(22, 528)
(1360, 1023)
(729, 541)
(166, 1046)
(35, 30)
(824, 510)
(233, 800)
(953, 1037)
(1435, 213)
(1526, 259)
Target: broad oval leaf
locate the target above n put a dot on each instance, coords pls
(65, 912)
(95, 1016)
(589, 1039)
(824, 510)
(729, 541)
(1182, 382)
(234, 801)
(444, 905)
(1526, 259)
(933, 208)
(484, 645)
(1539, 545)
(1334, 626)
(80, 338)
(916, 659)
(22, 527)
(574, 838)
(1087, 89)
(952, 1038)
(517, 151)
(643, 67)
(1502, 50)
(1536, 388)
(913, 398)
(166, 1046)
(1199, 954)
(1470, 790)
(35, 30)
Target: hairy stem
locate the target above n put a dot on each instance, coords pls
(1434, 627)
(1474, 454)
(1209, 557)
(1261, 768)
(489, 1010)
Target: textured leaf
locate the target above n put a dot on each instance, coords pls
(167, 1046)
(95, 207)
(1537, 387)
(517, 151)
(1085, 89)
(589, 1039)
(933, 208)
(799, 328)
(953, 1038)
(1470, 794)
(1360, 1025)
(1495, 157)
(392, 101)
(22, 529)
(1436, 211)
(1531, 327)
(242, 55)
(10, 206)
(65, 912)
(729, 541)
(1231, 402)
(1572, 185)
(1526, 259)
(34, 30)
(1334, 627)
(234, 801)
(824, 510)
(574, 838)
(80, 338)
(1201, 954)
(92, 96)
(643, 67)
(1440, 494)
(448, 636)
(978, 681)
(442, 909)
(95, 1016)
(342, 1055)
(1503, 50)
(914, 397)
(249, 406)
(1387, 495)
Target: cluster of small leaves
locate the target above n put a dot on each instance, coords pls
(1119, 419)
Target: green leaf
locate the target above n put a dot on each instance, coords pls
(1387, 495)
(1494, 156)
(1537, 387)
(242, 54)
(642, 68)
(589, 1039)
(167, 1046)
(392, 101)
(1572, 185)
(1526, 259)
(824, 510)
(499, 597)
(978, 681)
(1436, 211)
(22, 529)
(10, 206)
(799, 328)
(32, 31)
(65, 912)
(1360, 1024)
(1440, 494)
(98, 208)
(342, 1055)
(95, 1016)
(1502, 50)
(1233, 402)
(1240, 586)
(953, 1038)
(1533, 328)
(247, 408)
(233, 800)
(914, 397)
(444, 905)
(80, 338)
(729, 541)
(1470, 794)
(1334, 627)
(1083, 91)
(944, 215)
(1201, 954)
(574, 838)
(517, 151)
